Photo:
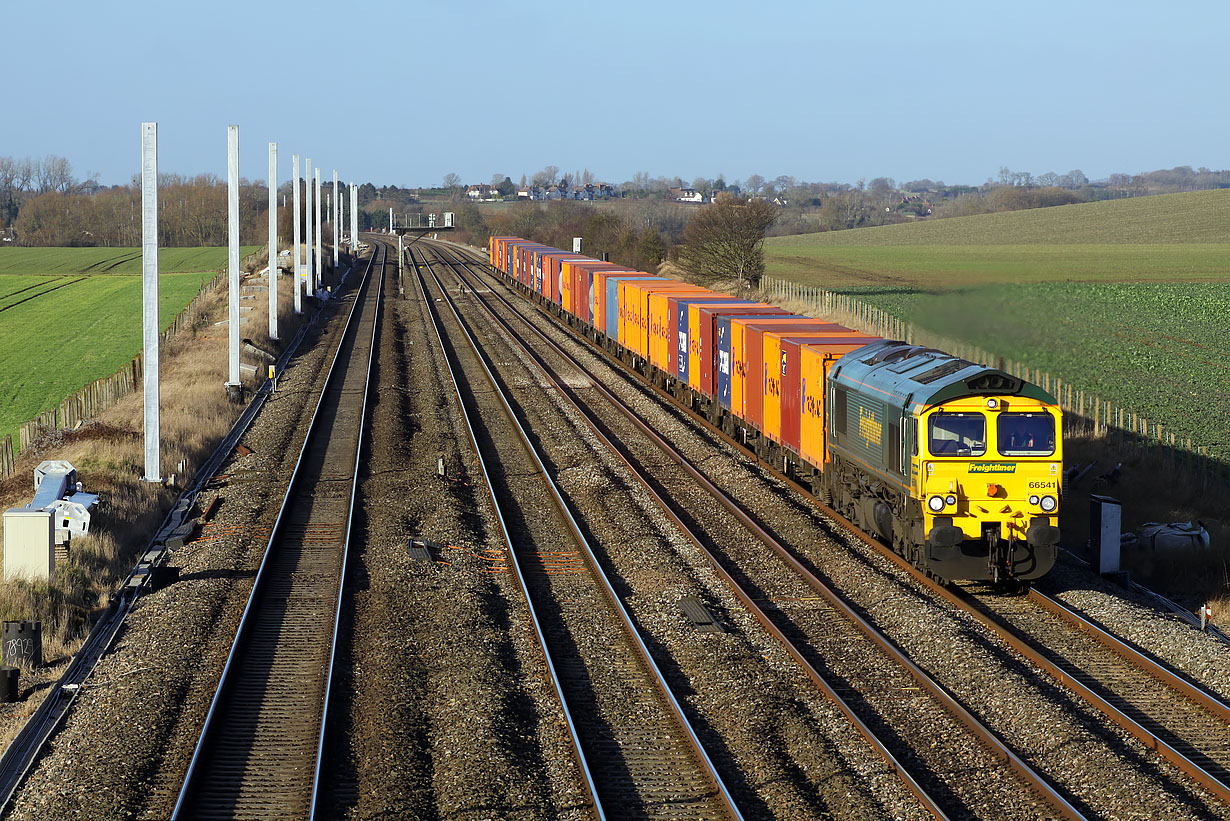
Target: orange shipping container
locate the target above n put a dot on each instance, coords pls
(747, 358)
(814, 363)
(635, 303)
(662, 305)
(780, 415)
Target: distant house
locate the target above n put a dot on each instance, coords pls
(533, 192)
(685, 195)
(482, 193)
(594, 191)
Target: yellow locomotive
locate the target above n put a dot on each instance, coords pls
(957, 465)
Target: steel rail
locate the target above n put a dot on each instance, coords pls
(194, 772)
(676, 709)
(937, 691)
(27, 746)
(1175, 681)
(1108, 710)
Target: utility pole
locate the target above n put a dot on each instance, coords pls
(337, 222)
(273, 240)
(149, 296)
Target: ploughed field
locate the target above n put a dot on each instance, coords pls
(1124, 298)
(69, 316)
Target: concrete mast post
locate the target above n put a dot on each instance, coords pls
(319, 256)
(233, 385)
(273, 241)
(310, 280)
(354, 219)
(296, 254)
(149, 297)
(337, 222)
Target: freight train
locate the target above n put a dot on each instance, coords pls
(955, 465)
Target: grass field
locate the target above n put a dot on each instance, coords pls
(1196, 217)
(112, 260)
(69, 316)
(1124, 298)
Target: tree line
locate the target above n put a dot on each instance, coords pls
(721, 241)
(45, 204)
(49, 207)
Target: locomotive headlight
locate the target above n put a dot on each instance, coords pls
(936, 503)
(1033, 500)
(950, 499)
(1048, 504)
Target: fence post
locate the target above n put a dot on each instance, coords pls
(6, 456)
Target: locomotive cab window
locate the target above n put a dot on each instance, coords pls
(1026, 434)
(958, 434)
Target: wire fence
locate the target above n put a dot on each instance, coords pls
(1084, 411)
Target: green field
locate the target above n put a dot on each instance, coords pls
(112, 260)
(1127, 299)
(83, 322)
(1198, 217)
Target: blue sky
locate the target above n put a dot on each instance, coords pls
(404, 93)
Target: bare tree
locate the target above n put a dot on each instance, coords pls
(546, 176)
(54, 174)
(754, 184)
(726, 240)
(8, 188)
(452, 181)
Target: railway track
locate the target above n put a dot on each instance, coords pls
(1157, 705)
(259, 749)
(1183, 724)
(827, 629)
(634, 746)
(1179, 720)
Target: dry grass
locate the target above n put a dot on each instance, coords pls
(109, 456)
